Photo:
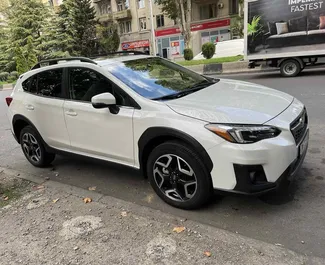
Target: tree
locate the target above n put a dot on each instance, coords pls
(180, 11)
(237, 27)
(108, 38)
(77, 20)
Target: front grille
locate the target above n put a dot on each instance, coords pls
(299, 126)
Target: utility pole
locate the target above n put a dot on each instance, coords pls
(153, 35)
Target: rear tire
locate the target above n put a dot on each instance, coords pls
(290, 68)
(178, 176)
(34, 149)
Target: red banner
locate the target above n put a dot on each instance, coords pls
(135, 44)
(195, 27)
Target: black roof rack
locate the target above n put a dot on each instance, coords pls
(57, 60)
(121, 53)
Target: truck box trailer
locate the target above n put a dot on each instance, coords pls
(286, 34)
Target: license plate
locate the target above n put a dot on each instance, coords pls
(304, 145)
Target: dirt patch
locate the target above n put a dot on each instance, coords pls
(11, 189)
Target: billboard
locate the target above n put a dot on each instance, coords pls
(276, 28)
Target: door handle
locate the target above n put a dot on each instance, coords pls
(29, 107)
(71, 113)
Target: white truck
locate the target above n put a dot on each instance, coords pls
(286, 34)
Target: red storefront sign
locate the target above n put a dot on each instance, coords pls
(174, 43)
(195, 27)
(135, 44)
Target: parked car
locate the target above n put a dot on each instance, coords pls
(189, 134)
(226, 49)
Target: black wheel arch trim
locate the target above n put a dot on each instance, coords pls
(163, 132)
(19, 117)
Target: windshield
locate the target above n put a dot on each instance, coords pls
(155, 77)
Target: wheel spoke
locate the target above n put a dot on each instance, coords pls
(183, 170)
(188, 184)
(33, 140)
(160, 181)
(165, 165)
(172, 193)
(34, 158)
(38, 152)
(26, 138)
(26, 148)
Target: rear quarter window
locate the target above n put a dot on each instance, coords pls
(30, 85)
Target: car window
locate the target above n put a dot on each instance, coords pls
(154, 77)
(49, 83)
(86, 83)
(30, 84)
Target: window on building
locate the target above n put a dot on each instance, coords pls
(125, 27)
(104, 7)
(160, 21)
(143, 23)
(122, 5)
(208, 11)
(141, 3)
(233, 7)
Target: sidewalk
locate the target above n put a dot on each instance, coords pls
(51, 224)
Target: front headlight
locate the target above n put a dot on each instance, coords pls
(243, 134)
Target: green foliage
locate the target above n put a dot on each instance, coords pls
(208, 50)
(254, 28)
(21, 63)
(188, 54)
(14, 75)
(237, 26)
(169, 8)
(4, 76)
(109, 39)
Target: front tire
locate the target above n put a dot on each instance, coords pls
(178, 176)
(290, 68)
(34, 149)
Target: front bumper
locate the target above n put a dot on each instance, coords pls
(263, 166)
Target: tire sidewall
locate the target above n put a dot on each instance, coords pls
(29, 129)
(204, 183)
(290, 61)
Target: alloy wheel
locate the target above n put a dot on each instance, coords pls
(175, 177)
(31, 147)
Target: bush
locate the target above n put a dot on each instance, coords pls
(188, 54)
(14, 75)
(208, 50)
(4, 76)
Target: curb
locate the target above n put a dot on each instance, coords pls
(7, 87)
(227, 68)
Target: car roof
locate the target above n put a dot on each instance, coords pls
(111, 60)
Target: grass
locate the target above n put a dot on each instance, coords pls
(6, 82)
(12, 192)
(213, 60)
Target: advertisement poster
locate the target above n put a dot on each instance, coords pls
(174, 48)
(285, 26)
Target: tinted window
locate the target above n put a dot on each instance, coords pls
(86, 83)
(50, 83)
(154, 77)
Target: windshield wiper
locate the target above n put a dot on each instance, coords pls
(189, 90)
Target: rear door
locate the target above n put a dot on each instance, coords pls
(98, 132)
(43, 104)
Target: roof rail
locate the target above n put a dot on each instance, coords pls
(58, 60)
(119, 53)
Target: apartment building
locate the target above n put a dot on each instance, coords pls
(211, 20)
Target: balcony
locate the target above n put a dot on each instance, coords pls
(124, 14)
(105, 17)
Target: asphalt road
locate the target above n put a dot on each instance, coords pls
(294, 218)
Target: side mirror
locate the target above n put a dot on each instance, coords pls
(105, 100)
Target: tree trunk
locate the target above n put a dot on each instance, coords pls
(185, 12)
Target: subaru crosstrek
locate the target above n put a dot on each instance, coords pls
(188, 133)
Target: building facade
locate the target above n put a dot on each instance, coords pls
(211, 22)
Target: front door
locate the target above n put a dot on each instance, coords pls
(98, 132)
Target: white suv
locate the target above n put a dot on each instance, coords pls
(189, 134)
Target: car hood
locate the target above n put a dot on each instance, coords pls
(235, 102)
